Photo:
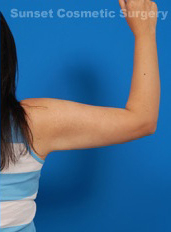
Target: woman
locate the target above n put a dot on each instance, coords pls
(32, 128)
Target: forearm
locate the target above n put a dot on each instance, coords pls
(145, 88)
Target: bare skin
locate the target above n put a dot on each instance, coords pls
(66, 125)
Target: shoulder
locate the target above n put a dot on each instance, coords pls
(43, 112)
(40, 105)
(28, 102)
(38, 111)
(37, 108)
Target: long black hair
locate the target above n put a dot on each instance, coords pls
(10, 106)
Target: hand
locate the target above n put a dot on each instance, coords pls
(141, 16)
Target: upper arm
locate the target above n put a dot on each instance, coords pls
(67, 125)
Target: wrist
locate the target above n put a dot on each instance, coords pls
(146, 37)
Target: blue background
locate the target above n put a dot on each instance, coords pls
(119, 188)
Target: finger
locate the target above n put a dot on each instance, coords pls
(154, 6)
(122, 4)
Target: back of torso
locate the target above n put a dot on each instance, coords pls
(19, 185)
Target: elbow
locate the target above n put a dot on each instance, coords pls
(150, 127)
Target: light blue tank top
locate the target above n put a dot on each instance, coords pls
(19, 185)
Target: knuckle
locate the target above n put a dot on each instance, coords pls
(131, 4)
(153, 4)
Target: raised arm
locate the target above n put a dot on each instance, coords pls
(145, 88)
(66, 125)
